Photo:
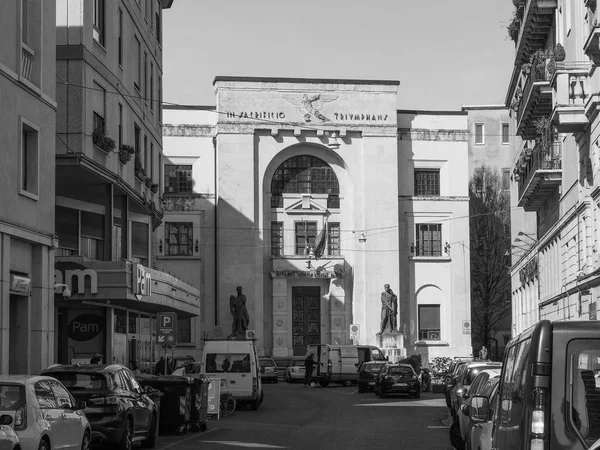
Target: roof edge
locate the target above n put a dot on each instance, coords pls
(305, 80)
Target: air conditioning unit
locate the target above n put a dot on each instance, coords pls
(250, 334)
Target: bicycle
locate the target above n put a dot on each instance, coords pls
(228, 404)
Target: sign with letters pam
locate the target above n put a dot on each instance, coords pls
(167, 329)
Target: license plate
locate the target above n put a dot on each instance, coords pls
(400, 384)
(371, 383)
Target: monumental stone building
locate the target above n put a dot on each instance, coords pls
(311, 195)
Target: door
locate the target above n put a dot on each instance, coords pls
(142, 405)
(51, 413)
(306, 318)
(73, 424)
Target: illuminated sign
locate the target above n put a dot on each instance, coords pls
(142, 281)
(80, 275)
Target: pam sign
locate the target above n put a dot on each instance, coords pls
(86, 327)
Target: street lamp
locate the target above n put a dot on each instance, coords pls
(66, 293)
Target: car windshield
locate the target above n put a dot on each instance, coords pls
(80, 381)
(400, 371)
(267, 363)
(472, 374)
(376, 368)
(12, 396)
(584, 363)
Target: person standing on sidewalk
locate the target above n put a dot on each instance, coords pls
(309, 363)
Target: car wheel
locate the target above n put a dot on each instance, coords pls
(44, 444)
(324, 383)
(150, 441)
(127, 439)
(85, 442)
(455, 437)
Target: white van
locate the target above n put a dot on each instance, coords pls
(236, 364)
(340, 363)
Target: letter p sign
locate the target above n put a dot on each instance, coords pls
(167, 322)
(167, 329)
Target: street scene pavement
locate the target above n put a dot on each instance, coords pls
(335, 417)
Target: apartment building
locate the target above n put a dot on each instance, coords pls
(553, 99)
(27, 143)
(108, 172)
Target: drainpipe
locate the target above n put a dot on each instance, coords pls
(216, 264)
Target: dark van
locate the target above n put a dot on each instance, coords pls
(549, 392)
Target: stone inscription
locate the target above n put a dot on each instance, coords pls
(262, 115)
(360, 117)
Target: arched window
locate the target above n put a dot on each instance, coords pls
(305, 175)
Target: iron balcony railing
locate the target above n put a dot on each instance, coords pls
(539, 159)
(538, 74)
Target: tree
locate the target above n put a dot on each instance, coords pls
(489, 226)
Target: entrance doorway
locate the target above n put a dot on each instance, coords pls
(306, 318)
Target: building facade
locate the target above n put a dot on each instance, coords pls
(553, 98)
(108, 167)
(311, 195)
(27, 136)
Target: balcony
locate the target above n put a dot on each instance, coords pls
(539, 172)
(570, 93)
(592, 44)
(538, 17)
(536, 100)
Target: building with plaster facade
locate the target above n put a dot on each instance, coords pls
(553, 96)
(281, 169)
(28, 116)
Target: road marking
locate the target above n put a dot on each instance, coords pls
(242, 444)
(438, 426)
(179, 441)
(429, 403)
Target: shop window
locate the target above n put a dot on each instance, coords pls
(179, 238)
(429, 239)
(277, 238)
(132, 325)
(120, 321)
(178, 179)
(429, 322)
(306, 233)
(184, 331)
(333, 239)
(427, 182)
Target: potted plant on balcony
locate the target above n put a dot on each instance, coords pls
(514, 27)
(101, 140)
(126, 152)
(559, 53)
(148, 182)
(154, 188)
(138, 169)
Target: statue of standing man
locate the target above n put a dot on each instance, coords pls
(241, 319)
(389, 309)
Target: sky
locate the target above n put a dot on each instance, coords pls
(445, 53)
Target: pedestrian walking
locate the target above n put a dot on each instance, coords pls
(483, 353)
(309, 363)
(161, 367)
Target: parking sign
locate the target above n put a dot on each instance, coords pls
(167, 329)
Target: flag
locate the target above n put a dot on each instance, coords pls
(320, 242)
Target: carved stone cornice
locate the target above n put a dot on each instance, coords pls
(426, 134)
(188, 130)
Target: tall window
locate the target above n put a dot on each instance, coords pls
(333, 239)
(306, 232)
(29, 159)
(429, 322)
(151, 174)
(92, 235)
(277, 238)
(158, 28)
(151, 86)
(120, 39)
(304, 175)
(184, 330)
(429, 239)
(178, 179)
(98, 21)
(479, 136)
(139, 242)
(120, 125)
(138, 65)
(505, 137)
(159, 106)
(179, 238)
(25, 21)
(427, 182)
(146, 165)
(146, 77)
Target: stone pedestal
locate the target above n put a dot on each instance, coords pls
(391, 344)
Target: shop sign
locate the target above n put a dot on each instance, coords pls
(142, 281)
(20, 284)
(167, 330)
(529, 271)
(308, 274)
(80, 275)
(86, 327)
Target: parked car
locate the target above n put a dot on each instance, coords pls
(367, 375)
(8, 438)
(450, 379)
(463, 382)
(118, 409)
(43, 414)
(479, 434)
(268, 369)
(398, 379)
(547, 397)
(295, 371)
(459, 429)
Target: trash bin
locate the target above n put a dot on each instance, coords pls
(199, 410)
(176, 401)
